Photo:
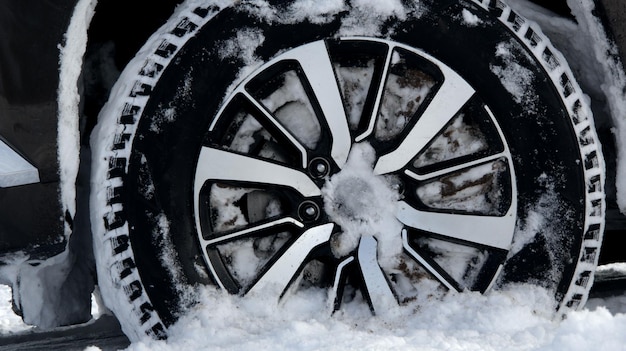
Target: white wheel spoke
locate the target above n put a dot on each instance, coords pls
(334, 294)
(250, 231)
(452, 169)
(278, 277)
(380, 296)
(453, 94)
(269, 117)
(221, 165)
(379, 98)
(490, 231)
(318, 69)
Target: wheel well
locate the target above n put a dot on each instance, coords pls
(117, 32)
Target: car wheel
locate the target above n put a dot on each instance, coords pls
(274, 149)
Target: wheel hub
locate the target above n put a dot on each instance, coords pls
(361, 202)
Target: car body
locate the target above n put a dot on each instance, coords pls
(58, 63)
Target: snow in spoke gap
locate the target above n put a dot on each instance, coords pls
(354, 80)
(478, 190)
(285, 96)
(235, 208)
(406, 88)
(245, 134)
(461, 262)
(462, 137)
(232, 207)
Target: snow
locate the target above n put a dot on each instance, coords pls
(363, 203)
(372, 13)
(475, 190)
(9, 321)
(71, 62)
(506, 320)
(512, 319)
(242, 46)
(291, 106)
(313, 10)
(470, 19)
(515, 78)
(354, 83)
(405, 90)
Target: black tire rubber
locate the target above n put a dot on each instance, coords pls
(147, 251)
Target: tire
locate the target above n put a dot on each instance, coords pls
(489, 173)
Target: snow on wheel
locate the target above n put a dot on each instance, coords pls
(374, 154)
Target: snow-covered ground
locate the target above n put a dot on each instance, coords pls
(513, 319)
(504, 320)
(9, 321)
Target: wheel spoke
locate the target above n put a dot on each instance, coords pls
(318, 70)
(490, 231)
(453, 94)
(430, 266)
(379, 97)
(276, 125)
(335, 295)
(220, 165)
(455, 168)
(283, 271)
(250, 231)
(379, 293)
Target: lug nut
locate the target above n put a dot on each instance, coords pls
(319, 167)
(309, 211)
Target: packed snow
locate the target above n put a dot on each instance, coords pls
(9, 321)
(364, 204)
(71, 59)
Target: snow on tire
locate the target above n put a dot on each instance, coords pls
(376, 153)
